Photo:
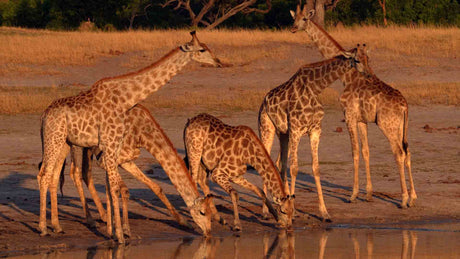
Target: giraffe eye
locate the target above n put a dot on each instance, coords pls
(202, 213)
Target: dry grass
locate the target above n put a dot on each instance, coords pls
(42, 47)
(15, 100)
(29, 100)
(425, 94)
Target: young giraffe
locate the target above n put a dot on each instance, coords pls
(97, 117)
(366, 99)
(225, 151)
(142, 131)
(292, 110)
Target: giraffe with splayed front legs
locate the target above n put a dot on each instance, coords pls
(224, 151)
(96, 117)
(366, 99)
(292, 110)
(142, 131)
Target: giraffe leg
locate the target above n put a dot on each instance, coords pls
(76, 176)
(125, 199)
(53, 143)
(139, 175)
(194, 147)
(412, 195)
(314, 143)
(365, 151)
(223, 181)
(395, 138)
(54, 186)
(243, 182)
(322, 244)
(203, 182)
(284, 155)
(109, 215)
(293, 161)
(87, 166)
(352, 130)
(267, 134)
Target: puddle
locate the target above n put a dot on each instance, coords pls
(340, 241)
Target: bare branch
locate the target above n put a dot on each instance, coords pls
(257, 10)
(331, 4)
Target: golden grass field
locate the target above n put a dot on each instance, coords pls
(27, 51)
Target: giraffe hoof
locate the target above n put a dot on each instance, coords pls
(44, 234)
(265, 216)
(222, 222)
(237, 228)
(327, 220)
(58, 230)
(352, 200)
(369, 199)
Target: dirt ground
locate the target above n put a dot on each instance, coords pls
(435, 162)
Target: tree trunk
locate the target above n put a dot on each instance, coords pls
(384, 11)
(319, 9)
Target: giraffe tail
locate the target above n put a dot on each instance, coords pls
(405, 144)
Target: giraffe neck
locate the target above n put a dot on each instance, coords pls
(165, 153)
(328, 47)
(127, 90)
(318, 76)
(261, 161)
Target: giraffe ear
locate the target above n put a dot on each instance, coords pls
(311, 13)
(292, 14)
(350, 54)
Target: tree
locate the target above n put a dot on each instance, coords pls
(320, 7)
(382, 4)
(211, 13)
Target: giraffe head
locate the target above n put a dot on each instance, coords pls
(301, 18)
(358, 60)
(364, 58)
(201, 213)
(285, 210)
(200, 52)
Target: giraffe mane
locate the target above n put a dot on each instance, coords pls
(129, 74)
(328, 35)
(321, 62)
(189, 176)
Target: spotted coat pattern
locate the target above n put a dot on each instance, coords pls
(224, 151)
(96, 117)
(366, 99)
(292, 110)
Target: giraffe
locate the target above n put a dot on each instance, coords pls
(366, 99)
(292, 110)
(142, 131)
(96, 117)
(225, 151)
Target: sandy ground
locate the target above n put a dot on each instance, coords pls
(435, 164)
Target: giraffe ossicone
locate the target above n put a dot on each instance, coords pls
(366, 99)
(292, 110)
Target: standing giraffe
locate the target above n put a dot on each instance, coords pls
(142, 131)
(292, 110)
(366, 99)
(225, 151)
(97, 117)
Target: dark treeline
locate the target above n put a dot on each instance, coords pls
(116, 14)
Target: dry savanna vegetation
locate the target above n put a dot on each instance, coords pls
(38, 51)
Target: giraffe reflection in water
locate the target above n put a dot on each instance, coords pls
(354, 243)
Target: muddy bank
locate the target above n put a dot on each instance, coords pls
(434, 160)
